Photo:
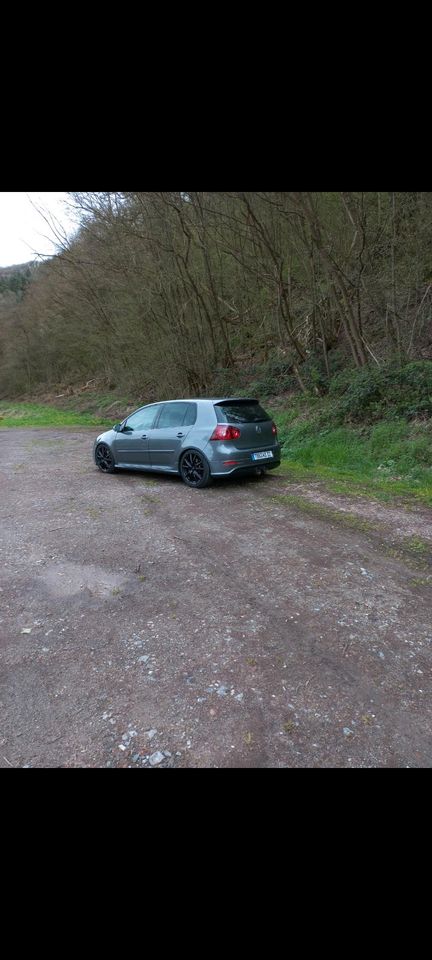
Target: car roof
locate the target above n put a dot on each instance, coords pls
(211, 400)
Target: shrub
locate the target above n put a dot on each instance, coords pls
(373, 393)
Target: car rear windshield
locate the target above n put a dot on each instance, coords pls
(240, 411)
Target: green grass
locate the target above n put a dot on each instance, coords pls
(44, 415)
(370, 435)
(388, 459)
(359, 483)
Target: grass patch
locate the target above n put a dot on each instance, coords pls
(44, 415)
(352, 483)
(386, 460)
(94, 513)
(417, 545)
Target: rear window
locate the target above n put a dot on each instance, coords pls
(240, 411)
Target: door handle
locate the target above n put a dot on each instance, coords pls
(180, 434)
(144, 436)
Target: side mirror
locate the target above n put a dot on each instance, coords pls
(117, 427)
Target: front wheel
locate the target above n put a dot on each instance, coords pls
(194, 469)
(104, 458)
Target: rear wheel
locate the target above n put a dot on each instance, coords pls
(104, 458)
(194, 469)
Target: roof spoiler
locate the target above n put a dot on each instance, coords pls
(236, 400)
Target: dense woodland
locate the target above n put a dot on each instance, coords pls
(175, 294)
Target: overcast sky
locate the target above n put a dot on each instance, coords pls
(23, 231)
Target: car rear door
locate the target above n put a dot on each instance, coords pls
(132, 444)
(169, 433)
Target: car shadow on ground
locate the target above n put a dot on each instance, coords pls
(149, 479)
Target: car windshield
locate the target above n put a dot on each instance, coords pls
(241, 412)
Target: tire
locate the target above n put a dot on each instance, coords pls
(104, 459)
(194, 470)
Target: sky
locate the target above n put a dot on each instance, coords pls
(23, 231)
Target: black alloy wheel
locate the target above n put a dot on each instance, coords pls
(194, 469)
(104, 458)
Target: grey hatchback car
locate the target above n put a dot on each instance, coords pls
(198, 439)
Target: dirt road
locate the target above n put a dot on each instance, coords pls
(253, 624)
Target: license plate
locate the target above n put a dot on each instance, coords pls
(267, 455)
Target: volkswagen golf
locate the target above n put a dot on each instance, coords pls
(198, 439)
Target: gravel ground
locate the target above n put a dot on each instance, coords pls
(147, 625)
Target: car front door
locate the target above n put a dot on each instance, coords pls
(167, 436)
(132, 444)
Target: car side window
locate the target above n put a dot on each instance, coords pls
(172, 415)
(190, 415)
(143, 419)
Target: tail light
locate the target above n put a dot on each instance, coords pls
(274, 428)
(225, 432)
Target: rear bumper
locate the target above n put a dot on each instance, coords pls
(225, 459)
(249, 467)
